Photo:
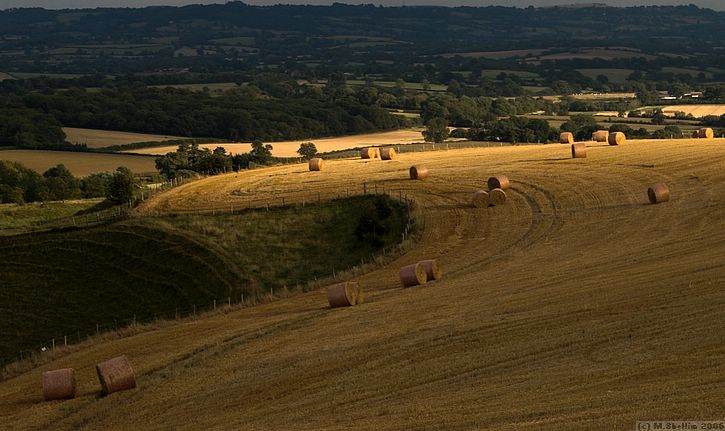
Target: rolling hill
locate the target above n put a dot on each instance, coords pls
(576, 305)
(72, 283)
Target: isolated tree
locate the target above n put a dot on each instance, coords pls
(307, 150)
(659, 117)
(261, 153)
(436, 131)
(120, 187)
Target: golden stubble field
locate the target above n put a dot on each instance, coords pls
(289, 148)
(577, 305)
(79, 163)
(697, 111)
(93, 138)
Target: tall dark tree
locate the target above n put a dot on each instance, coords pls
(261, 153)
(61, 183)
(307, 150)
(121, 186)
(436, 131)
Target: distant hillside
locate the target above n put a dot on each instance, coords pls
(236, 36)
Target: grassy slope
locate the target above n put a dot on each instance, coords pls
(576, 305)
(59, 283)
(21, 216)
(279, 248)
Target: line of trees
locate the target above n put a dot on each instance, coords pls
(534, 130)
(245, 113)
(23, 127)
(19, 184)
(189, 160)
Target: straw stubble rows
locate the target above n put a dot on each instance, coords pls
(575, 305)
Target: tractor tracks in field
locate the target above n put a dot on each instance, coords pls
(542, 225)
(211, 350)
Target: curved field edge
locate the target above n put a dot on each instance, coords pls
(68, 285)
(574, 305)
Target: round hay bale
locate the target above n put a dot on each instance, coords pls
(116, 375)
(498, 182)
(579, 150)
(413, 275)
(342, 294)
(418, 172)
(695, 134)
(706, 133)
(368, 153)
(617, 138)
(496, 197)
(387, 153)
(566, 138)
(316, 164)
(480, 199)
(658, 193)
(432, 269)
(59, 384)
(600, 136)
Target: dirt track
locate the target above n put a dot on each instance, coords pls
(577, 305)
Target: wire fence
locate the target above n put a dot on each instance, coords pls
(41, 348)
(68, 338)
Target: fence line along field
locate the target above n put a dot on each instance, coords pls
(93, 138)
(79, 163)
(289, 148)
(576, 305)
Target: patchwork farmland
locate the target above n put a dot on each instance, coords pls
(289, 148)
(575, 305)
(697, 111)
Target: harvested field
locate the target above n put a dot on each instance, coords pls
(324, 145)
(165, 265)
(697, 111)
(592, 53)
(105, 138)
(577, 305)
(495, 55)
(80, 164)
